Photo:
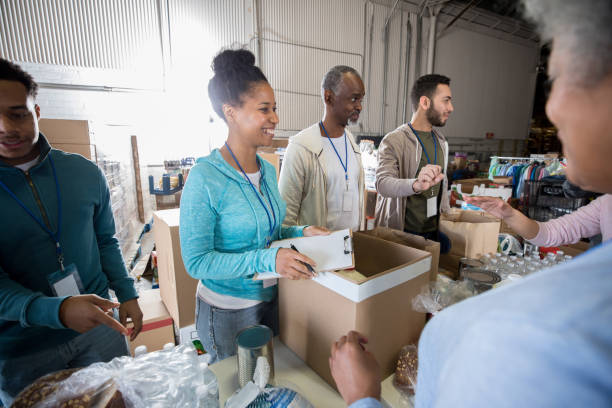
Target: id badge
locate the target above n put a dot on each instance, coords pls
(66, 282)
(432, 206)
(347, 201)
(269, 282)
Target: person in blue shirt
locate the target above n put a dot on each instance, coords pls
(58, 253)
(231, 211)
(545, 341)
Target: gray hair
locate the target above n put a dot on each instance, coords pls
(332, 78)
(583, 29)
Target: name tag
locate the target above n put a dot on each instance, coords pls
(347, 201)
(432, 206)
(66, 282)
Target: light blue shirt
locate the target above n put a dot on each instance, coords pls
(366, 403)
(543, 342)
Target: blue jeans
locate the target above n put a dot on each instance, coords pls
(100, 344)
(218, 327)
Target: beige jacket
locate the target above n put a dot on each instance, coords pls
(302, 179)
(399, 155)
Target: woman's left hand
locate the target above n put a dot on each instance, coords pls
(313, 230)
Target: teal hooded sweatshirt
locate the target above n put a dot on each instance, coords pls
(224, 227)
(29, 312)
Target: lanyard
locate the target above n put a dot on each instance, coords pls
(423, 146)
(55, 236)
(345, 164)
(265, 207)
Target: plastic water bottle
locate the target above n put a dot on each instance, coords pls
(486, 259)
(521, 268)
(208, 392)
(140, 350)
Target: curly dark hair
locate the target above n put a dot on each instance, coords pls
(235, 75)
(13, 72)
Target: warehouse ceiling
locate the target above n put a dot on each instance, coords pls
(506, 8)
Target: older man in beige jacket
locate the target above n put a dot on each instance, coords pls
(322, 178)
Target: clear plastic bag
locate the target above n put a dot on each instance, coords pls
(440, 294)
(159, 379)
(405, 377)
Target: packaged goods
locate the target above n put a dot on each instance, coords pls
(167, 378)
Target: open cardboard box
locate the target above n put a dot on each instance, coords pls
(411, 240)
(315, 313)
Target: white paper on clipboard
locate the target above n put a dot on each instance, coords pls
(330, 252)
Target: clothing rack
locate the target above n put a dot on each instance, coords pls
(523, 169)
(518, 158)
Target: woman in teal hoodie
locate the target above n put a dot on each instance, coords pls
(231, 211)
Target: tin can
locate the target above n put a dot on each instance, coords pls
(253, 342)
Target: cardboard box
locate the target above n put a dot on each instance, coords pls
(177, 288)
(315, 313)
(472, 233)
(167, 201)
(157, 328)
(88, 151)
(280, 142)
(411, 240)
(273, 159)
(66, 131)
(449, 265)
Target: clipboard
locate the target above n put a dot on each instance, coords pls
(331, 252)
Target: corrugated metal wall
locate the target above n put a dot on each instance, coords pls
(110, 34)
(132, 43)
(493, 83)
(300, 42)
(198, 29)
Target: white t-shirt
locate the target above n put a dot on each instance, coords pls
(27, 166)
(226, 301)
(342, 202)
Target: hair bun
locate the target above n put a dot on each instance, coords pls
(232, 60)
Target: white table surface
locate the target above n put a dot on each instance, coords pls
(292, 372)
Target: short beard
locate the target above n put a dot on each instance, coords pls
(434, 117)
(352, 122)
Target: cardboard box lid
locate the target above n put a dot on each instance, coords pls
(169, 217)
(393, 265)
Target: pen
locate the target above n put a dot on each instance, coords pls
(307, 265)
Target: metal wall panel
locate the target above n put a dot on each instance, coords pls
(300, 42)
(199, 29)
(492, 81)
(109, 34)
